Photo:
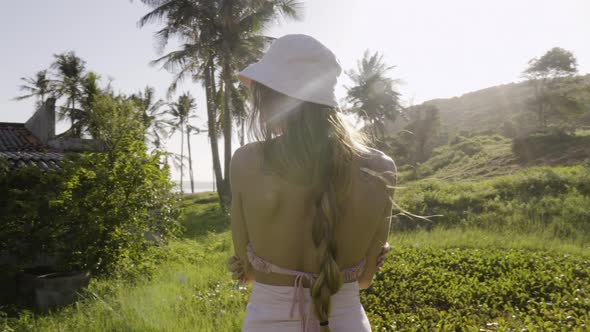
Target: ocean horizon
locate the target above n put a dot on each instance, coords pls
(200, 186)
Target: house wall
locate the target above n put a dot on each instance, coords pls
(42, 123)
(69, 144)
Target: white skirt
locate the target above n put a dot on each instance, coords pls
(269, 310)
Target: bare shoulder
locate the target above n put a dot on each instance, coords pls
(247, 153)
(245, 161)
(380, 163)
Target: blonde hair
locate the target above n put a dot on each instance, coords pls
(310, 144)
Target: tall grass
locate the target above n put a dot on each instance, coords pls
(471, 237)
(190, 291)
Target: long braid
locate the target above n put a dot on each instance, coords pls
(329, 279)
(336, 177)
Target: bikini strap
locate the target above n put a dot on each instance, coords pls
(263, 265)
(350, 274)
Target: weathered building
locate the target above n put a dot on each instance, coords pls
(35, 143)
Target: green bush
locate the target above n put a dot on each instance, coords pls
(533, 146)
(469, 147)
(30, 224)
(113, 198)
(428, 289)
(97, 211)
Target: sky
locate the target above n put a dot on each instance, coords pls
(440, 49)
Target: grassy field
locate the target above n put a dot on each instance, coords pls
(458, 278)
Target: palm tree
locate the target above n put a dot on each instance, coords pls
(373, 98)
(90, 90)
(240, 95)
(38, 87)
(192, 22)
(241, 24)
(191, 130)
(178, 162)
(152, 115)
(219, 35)
(181, 111)
(70, 74)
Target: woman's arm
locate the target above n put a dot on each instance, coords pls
(379, 245)
(238, 225)
(383, 256)
(374, 255)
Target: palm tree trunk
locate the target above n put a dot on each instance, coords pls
(227, 28)
(190, 159)
(374, 127)
(72, 116)
(211, 125)
(227, 130)
(181, 156)
(242, 131)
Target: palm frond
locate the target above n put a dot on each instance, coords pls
(162, 9)
(292, 9)
(23, 97)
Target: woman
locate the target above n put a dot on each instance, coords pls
(310, 204)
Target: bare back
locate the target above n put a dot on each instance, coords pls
(278, 216)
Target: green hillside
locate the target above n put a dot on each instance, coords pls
(484, 111)
(488, 156)
(466, 158)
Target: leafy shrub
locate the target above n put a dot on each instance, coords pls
(469, 147)
(30, 225)
(536, 145)
(96, 212)
(427, 289)
(456, 139)
(113, 198)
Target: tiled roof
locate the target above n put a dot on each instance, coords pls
(19, 147)
(47, 161)
(16, 137)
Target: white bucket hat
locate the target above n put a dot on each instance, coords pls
(298, 66)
